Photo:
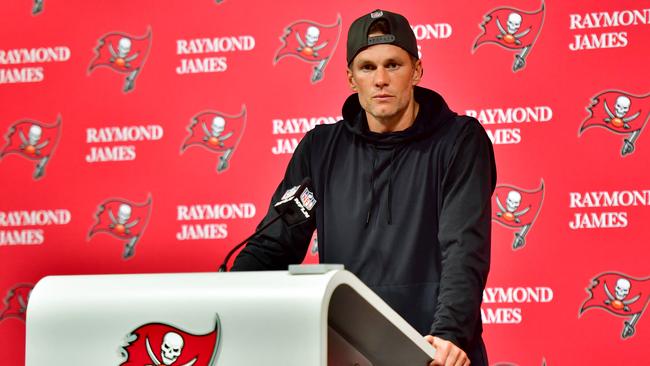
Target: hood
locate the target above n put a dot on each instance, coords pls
(433, 111)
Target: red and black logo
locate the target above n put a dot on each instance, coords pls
(311, 42)
(16, 302)
(123, 53)
(33, 140)
(620, 113)
(218, 133)
(517, 209)
(513, 29)
(162, 344)
(620, 295)
(124, 220)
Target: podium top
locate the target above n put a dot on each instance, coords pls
(273, 316)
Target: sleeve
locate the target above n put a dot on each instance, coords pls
(464, 235)
(279, 245)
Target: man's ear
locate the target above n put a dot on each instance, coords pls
(351, 82)
(417, 72)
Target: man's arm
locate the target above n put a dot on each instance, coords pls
(464, 235)
(278, 246)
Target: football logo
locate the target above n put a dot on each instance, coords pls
(621, 113)
(620, 295)
(33, 140)
(122, 53)
(124, 220)
(512, 29)
(311, 42)
(218, 133)
(163, 344)
(517, 209)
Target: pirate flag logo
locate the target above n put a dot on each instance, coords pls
(619, 295)
(621, 113)
(32, 140)
(37, 8)
(162, 344)
(311, 42)
(123, 53)
(512, 29)
(124, 220)
(218, 133)
(517, 209)
(16, 302)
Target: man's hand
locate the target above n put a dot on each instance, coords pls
(447, 353)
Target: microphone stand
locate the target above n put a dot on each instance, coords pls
(224, 266)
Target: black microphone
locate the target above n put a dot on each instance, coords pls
(297, 205)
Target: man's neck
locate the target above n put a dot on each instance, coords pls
(394, 123)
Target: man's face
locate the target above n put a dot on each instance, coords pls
(384, 76)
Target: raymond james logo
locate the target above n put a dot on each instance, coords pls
(23, 227)
(509, 302)
(194, 218)
(15, 302)
(621, 113)
(124, 220)
(616, 19)
(295, 126)
(163, 344)
(616, 218)
(33, 140)
(512, 29)
(122, 53)
(108, 136)
(517, 208)
(29, 74)
(218, 46)
(505, 120)
(218, 133)
(620, 295)
(311, 42)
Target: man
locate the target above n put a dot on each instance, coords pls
(404, 187)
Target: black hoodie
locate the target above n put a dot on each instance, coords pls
(408, 212)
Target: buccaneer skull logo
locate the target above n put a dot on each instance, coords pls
(628, 298)
(620, 113)
(519, 33)
(311, 42)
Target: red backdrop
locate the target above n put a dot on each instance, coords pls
(148, 137)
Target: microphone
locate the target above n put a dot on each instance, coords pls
(296, 206)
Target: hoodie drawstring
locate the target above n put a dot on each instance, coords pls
(390, 188)
(390, 185)
(372, 183)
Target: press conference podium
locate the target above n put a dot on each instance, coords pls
(309, 315)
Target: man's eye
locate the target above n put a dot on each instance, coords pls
(367, 67)
(392, 65)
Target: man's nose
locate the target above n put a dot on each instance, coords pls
(381, 77)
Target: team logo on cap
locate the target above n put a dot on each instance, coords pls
(311, 42)
(376, 14)
(163, 344)
(123, 220)
(517, 209)
(15, 302)
(33, 140)
(620, 113)
(620, 295)
(122, 53)
(218, 133)
(512, 29)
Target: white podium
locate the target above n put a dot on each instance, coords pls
(217, 319)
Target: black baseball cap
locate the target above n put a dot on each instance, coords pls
(399, 33)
